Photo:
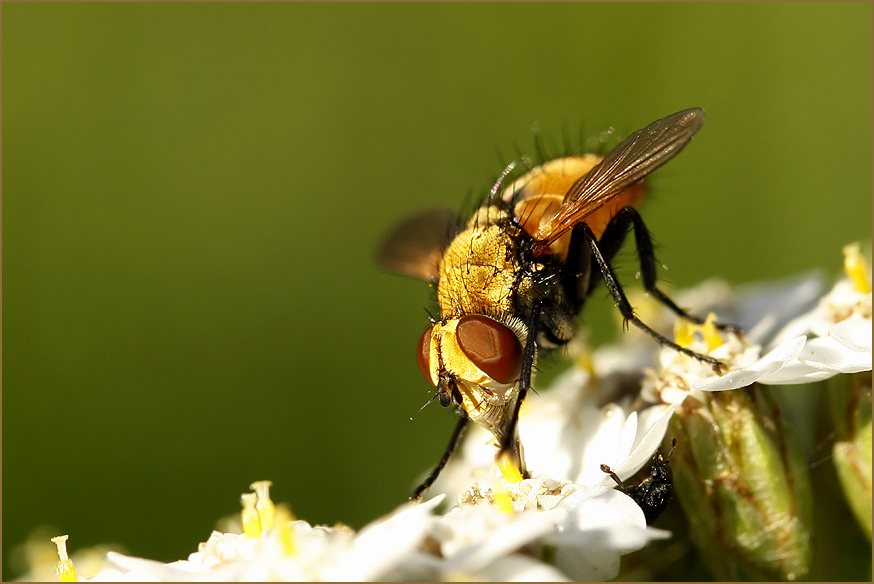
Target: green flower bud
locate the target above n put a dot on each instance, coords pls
(743, 482)
(850, 398)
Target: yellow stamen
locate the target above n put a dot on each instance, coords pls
(66, 570)
(264, 505)
(503, 500)
(685, 330)
(855, 268)
(509, 469)
(250, 517)
(711, 333)
(284, 530)
(684, 333)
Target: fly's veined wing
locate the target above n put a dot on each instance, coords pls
(632, 160)
(414, 246)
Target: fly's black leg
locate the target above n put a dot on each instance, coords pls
(577, 271)
(611, 241)
(625, 307)
(510, 443)
(453, 443)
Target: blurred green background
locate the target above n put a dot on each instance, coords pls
(193, 194)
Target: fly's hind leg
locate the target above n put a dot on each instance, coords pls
(612, 239)
(624, 306)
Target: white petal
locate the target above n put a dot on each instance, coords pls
(628, 435)
(518, 568)
(599, 444)
(796, 372)
(601, 507)
(765, 307)
(828, 354)
(515, 533)
(111, 575)
(142, 570)
(384, 543)
(602, 525)
(644, 450)
(674, 395)
(767, 365)
(588, 564)
(853, 332)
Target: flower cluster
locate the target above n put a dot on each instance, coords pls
(567, 522)
(834, 337)
(493, 535)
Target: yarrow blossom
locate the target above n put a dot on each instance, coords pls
(574, 527)
(832, 338)
(582, 531)
(566, 522)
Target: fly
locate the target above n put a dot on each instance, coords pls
(512, 278)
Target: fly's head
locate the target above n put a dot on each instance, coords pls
(475, 362)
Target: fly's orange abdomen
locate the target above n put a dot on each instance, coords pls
(540, 193)
(630, 197)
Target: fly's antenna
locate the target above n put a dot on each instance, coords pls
(427, 403)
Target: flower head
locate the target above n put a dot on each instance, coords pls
(613, 408)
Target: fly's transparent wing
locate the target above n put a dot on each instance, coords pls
(632, 160)
(414, 247)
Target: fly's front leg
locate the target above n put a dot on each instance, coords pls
(612, 239)
(511, 446)
(453, 443)
(625, 307)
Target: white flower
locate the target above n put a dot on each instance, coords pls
(680, 375)
(320, 553)
(567, 434)
(472, 537)
(586, 530)
(841, 323)
(566, 522)
(602, 524)
(568, 513)
(832, 338)
(569, 505)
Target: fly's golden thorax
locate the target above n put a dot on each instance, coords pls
(478, 273)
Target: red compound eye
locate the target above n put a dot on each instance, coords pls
(424, 354)
(491, 346)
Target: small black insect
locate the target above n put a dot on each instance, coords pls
(654, 492)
